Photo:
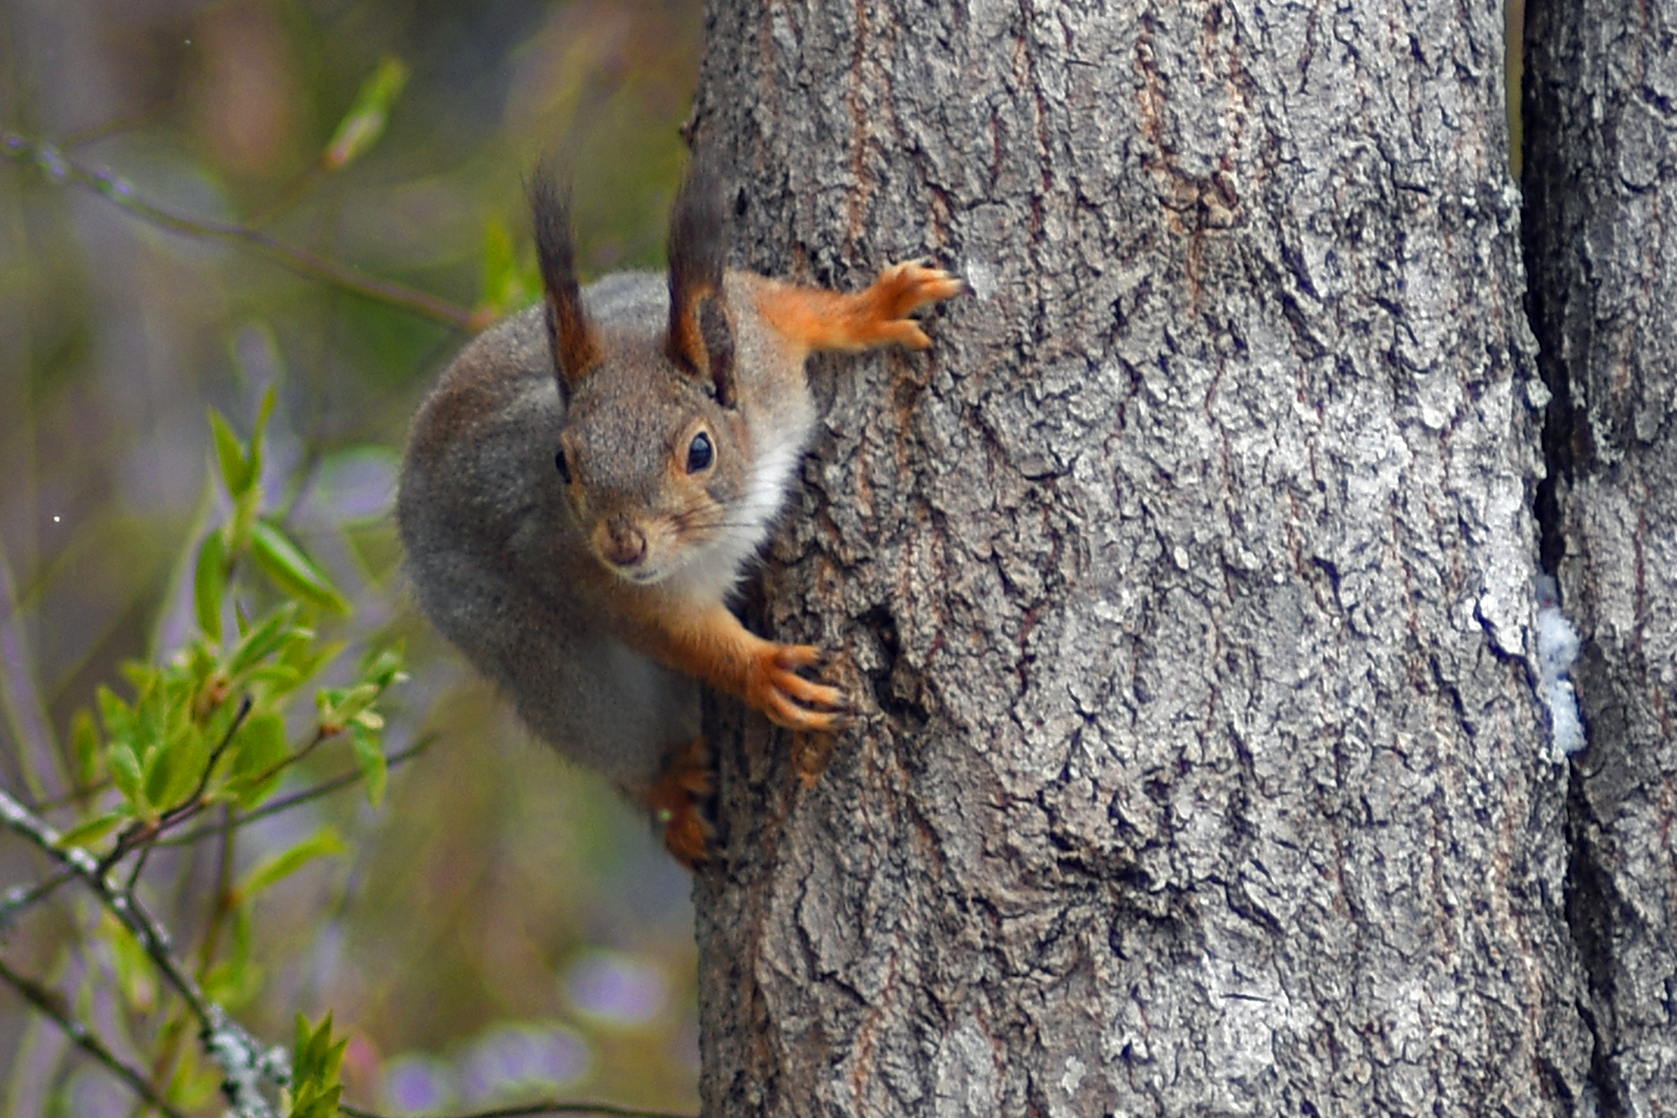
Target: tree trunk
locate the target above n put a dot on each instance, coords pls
(1601, 184)
(1187, 580)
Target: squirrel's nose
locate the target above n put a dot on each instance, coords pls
(625, 545)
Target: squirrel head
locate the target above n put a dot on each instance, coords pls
(654, 454)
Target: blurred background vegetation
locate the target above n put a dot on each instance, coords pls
(502, 923)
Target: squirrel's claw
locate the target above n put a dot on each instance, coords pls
(791, 700)
(897, 293)
(902, 287)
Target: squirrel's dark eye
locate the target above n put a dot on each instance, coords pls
(699, 453)
(563, 466)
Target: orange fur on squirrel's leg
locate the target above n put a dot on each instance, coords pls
(817, 319)
(676, 800)
(716, 648)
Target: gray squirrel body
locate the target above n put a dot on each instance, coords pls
(590, 479)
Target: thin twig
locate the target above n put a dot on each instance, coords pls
(191, 805)
(44, 835)
(59, 166)
(76, 859)
(536, 1109)
(137, 869)
(17, 900)
(285, 802)
(240, 1058)
(84, 1038)
(321, 734)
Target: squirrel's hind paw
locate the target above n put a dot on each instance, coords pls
(677, 800)
(688, 837)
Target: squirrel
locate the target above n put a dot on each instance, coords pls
(589, 480)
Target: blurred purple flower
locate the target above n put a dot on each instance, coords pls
(414, 1084)
(510, 1058)
(615, 988)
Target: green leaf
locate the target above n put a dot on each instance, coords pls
(259, 433)
(196, 1082)
(316, 1064)
(141, 675)
(323, 843)
(369, 758)
(279, 679)
(117, 715)
(384, 667)
(314, 1101)
(209, 584)
(199, 660)
(294, 572)
(261, 749)
(127, 776)
(324, 1057)
(364, 123)
(236, 472)
(339, 705)
(159, 768)
(93, 830)
(84, 737)
(302, 1070)
(270, 636)
(176, 766)
(307, 659)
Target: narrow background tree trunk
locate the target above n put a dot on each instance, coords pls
(1188, 580)
(1601, 187)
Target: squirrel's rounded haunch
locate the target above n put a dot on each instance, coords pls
(590, 478)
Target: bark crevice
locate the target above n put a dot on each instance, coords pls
(1592, 907)
(1588, 883)
(1581, 284)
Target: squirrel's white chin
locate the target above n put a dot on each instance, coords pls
(642, 575)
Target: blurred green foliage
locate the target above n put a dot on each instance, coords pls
(479, 920)
(316, 1069)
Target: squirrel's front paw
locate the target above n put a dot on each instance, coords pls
(790, 700)
(901, 288)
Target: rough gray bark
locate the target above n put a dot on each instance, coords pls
(1188, 579)
(1601, 184)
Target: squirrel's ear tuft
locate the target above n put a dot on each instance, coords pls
(701, 340)
(575, 352)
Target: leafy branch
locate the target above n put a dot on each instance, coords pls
(195, 745)
(60, 166)
(206, 727)
(241, 1059)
